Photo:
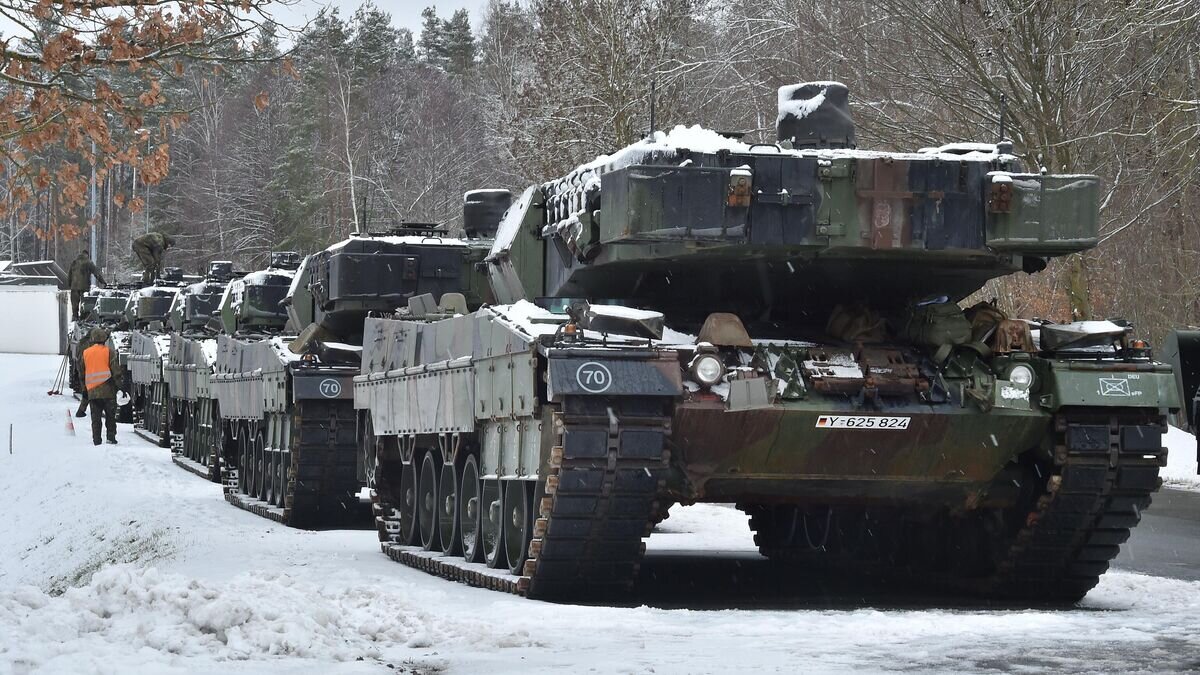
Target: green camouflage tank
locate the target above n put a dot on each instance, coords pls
(698, 319)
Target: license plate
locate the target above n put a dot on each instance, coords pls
(862, 422)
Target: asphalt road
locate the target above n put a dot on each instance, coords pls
(1166, 543)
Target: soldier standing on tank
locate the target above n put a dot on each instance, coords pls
(79, 276)
(101, 377)
(149, 248)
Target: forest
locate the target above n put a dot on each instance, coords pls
(293, 137)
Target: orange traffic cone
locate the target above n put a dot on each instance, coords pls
(70, 423)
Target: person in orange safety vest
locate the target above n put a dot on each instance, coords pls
(101, 376)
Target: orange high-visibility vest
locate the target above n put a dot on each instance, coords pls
(95, 366)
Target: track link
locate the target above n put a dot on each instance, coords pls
(604, 477)
(602, 487)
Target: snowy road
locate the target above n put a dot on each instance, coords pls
(114, 560)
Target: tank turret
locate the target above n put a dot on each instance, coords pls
(149, 305)
(193, 306)
(696, 222)
(253, 303)
(110, 306)
(87, 304)
(285, 260)
(338, 287)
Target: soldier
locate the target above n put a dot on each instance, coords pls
(149, 249)
(101, 376)
(80, 278)
(84, 343)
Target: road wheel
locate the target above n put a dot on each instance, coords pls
(427, 502)
(518, 525)
(469, 510)
(409, 532)
(491, 507)
(448, 510)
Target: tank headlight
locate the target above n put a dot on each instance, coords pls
(1021, 376)
(707, 369)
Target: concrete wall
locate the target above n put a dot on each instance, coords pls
(33, 320)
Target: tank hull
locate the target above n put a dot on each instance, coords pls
(601, 434)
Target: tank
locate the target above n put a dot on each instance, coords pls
(781, 326)
(286, 359)
(191, 352)
(148, 315)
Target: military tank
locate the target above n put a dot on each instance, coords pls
(191, 351)
(289, 429)
(697, 319)
(147, 313)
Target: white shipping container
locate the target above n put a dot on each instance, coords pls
(33, 319)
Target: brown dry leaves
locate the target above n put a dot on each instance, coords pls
(87, 95)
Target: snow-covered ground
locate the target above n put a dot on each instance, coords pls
(113, 560)
(1180, 471)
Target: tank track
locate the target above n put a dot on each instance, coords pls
(194, 448)
(606, 472)
(322, 478)
(1101, 475)
(153, 423)
(1103, 478)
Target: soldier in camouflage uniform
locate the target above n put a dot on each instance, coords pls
(149, 249)
(101, 374)
(79, 276)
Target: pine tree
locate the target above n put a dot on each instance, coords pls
(459, 43)
(374, 46)
(406, 51)
(300, 181)
(432, 43)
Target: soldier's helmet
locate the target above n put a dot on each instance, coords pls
(98, 335)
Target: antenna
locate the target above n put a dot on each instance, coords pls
(1003, 103)
(653, 87)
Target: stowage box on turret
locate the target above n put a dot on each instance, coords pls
(697, 319)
